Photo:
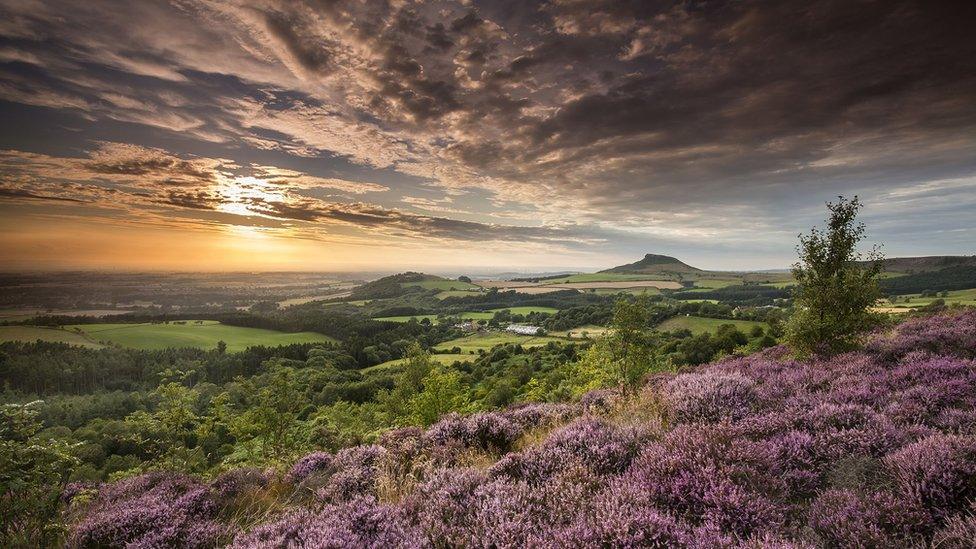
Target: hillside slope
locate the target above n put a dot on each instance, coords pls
(653, 263)
(924, 264)
(869, 449)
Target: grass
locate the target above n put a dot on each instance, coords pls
(54, 335)
(471, 315)
(528, 309)
(457, 293)
(446, 359)
(472, 343)
(432, 318)
(201, 334)
(701, 325)
(632, 291)
(592, 331)
(961, 297)
(443, 285)
(715, 283)
(604, 277)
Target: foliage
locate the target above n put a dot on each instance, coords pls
(33, 473)
(833, 294)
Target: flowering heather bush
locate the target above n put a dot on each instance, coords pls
(152, 510)
(489, 431)
(312, 463)
(356, 472)
(710, 396)
(589, 442)
(239, 481)
(938, 473)
(949, 334)
(842, 518)
(868, 449)
(361, 522)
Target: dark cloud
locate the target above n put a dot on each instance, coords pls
(606, 112)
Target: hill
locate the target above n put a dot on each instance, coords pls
(405, 283)
(870, 449)
(654, 263)
(925, 264)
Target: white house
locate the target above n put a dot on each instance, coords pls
(523, 330)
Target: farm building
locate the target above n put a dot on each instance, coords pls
(524, 330)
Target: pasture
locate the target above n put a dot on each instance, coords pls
(471, 315)
(474, 342)
(457, 293)
(201, 334)
(446, 359)
(52, 335)
(700, 325)
(440, 284)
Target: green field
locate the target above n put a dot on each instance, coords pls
(471, 343)
(592, 331)
(443, 285)
(715, 283)
(34, 333)
(202, 334)
(471, 315)
(432, 318)
(632, 291)
(528, 309)
(700, 325)
(604, 277)
(960, 297)
(446, 359)
(457, 293)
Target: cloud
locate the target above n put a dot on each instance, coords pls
(666, 118)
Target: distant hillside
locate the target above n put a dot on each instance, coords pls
(927, 263)
(653, 263)
(392, 286)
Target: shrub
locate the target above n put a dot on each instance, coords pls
(153, 510)
(938, 472)
(710, 396)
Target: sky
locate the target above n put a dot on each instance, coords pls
(489, 135)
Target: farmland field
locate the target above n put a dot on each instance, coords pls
(528, 309)
(471, 315)
(443, 285)
(909, 302)
(202, 334)
(605, 277)
(592, 331)
(700, 325)
(446, 359)
(471, 343)
(457, 293)
(34, 333)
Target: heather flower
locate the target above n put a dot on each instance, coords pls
(959, 531)
(152, 510)
(842, 518)
(361, 522)
(625, 527)
(527, 416)
(599, 399)
(938, 472)
(488, 431)
(239, 481)
(588, 442)
(948, 334)
(710, 396)
(356, 472)
(312, 463)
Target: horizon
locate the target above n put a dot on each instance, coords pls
(477, 137)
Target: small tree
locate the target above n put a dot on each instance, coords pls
(833, 294)
(629, 349)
